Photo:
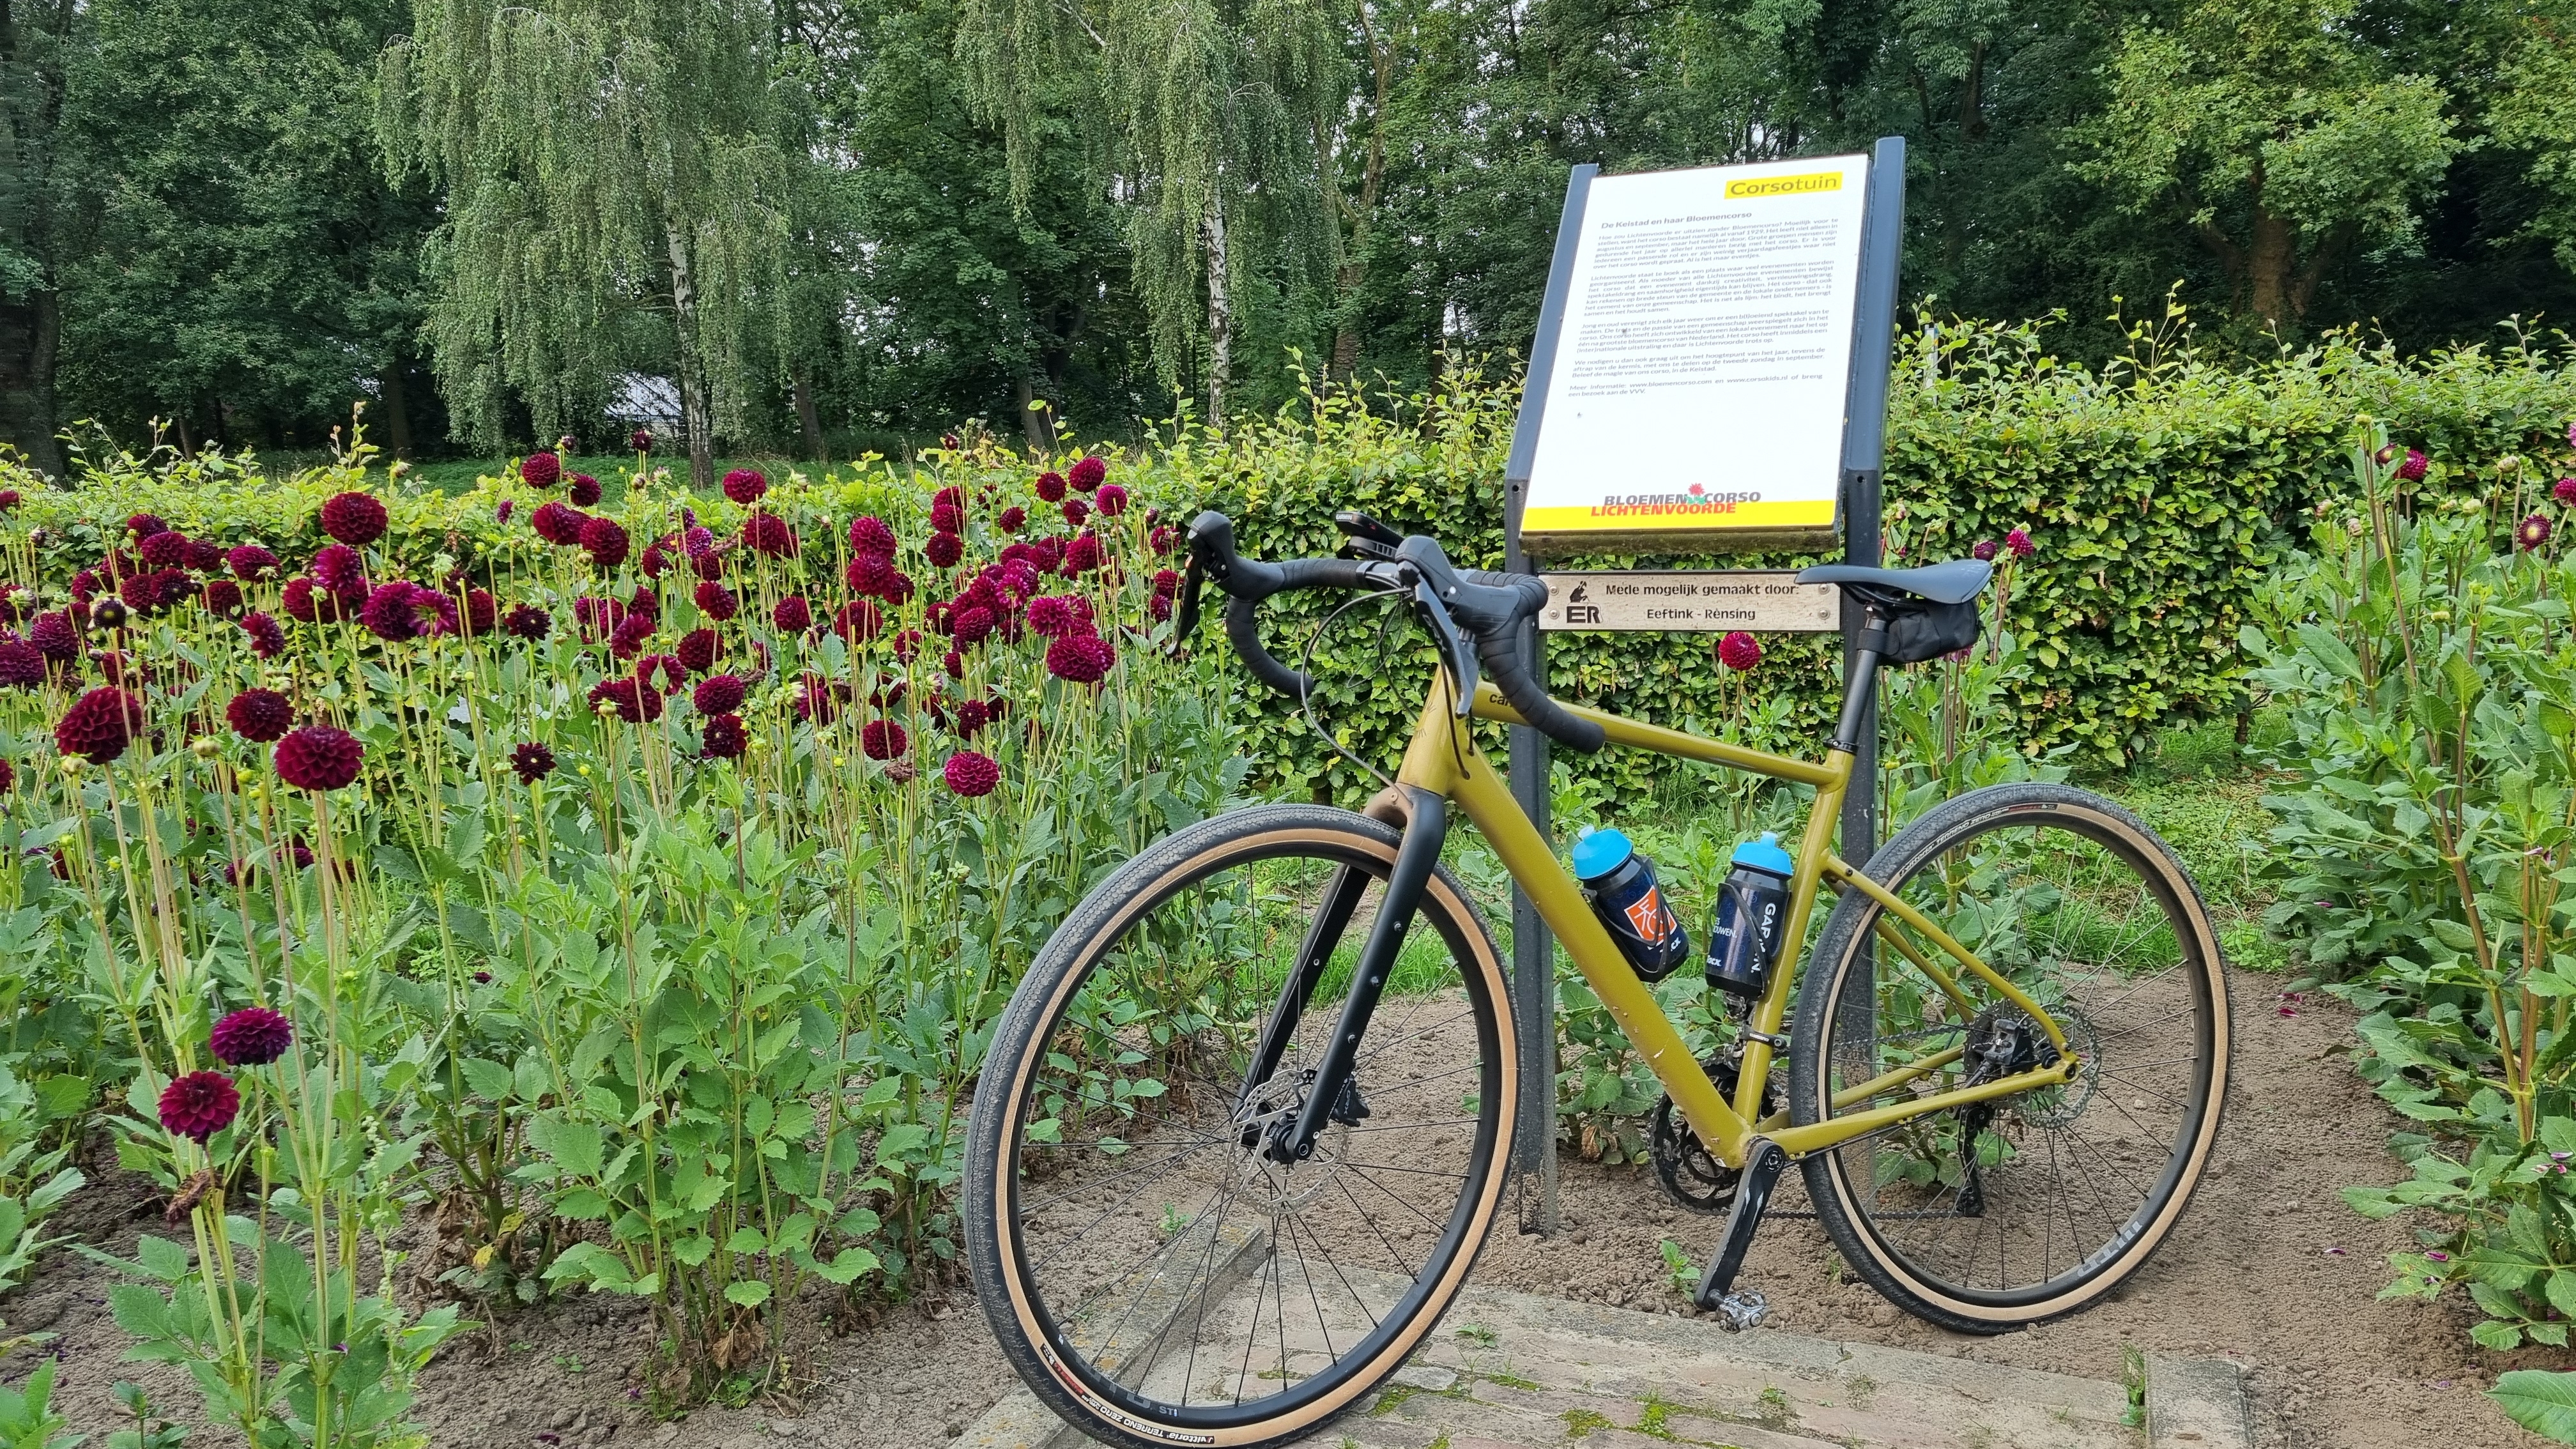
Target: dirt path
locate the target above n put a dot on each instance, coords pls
(2250, 1276)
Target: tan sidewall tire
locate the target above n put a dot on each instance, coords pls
(1837, 948)
(1103, 916)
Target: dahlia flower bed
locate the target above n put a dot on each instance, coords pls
(619, 879)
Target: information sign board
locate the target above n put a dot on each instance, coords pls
(1697, 364)
(1759, 600)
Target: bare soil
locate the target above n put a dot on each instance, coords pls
(2268, 1268)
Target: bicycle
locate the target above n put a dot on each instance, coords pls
(1226, 1169)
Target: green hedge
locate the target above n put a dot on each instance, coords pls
(2158, 492)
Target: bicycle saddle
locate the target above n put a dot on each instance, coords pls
(1955, 582)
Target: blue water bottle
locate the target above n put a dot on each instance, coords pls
(1621, 885)
(1751, 906)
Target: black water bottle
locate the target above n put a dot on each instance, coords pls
(1751, 907)
(1621, 885)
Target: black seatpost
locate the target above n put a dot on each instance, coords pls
(1866, 649)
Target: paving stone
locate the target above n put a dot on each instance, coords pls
(2196, 1403)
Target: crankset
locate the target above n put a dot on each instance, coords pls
(1691, 1175)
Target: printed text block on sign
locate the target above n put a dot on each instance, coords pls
(1699, 379)
(1716, 601)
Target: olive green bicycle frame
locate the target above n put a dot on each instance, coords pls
(1443, 758)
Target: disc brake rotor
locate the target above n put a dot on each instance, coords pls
(1265, 1181)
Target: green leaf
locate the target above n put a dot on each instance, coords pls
(749, 1292)
(847, 1265)
(574, 1147)
(2540, 1400)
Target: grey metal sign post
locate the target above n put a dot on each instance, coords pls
(1696, 600)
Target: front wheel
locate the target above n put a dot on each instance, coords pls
(1152, 1271)
(1990, 1217)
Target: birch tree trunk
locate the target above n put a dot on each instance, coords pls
(693, 384)
(1220, 313)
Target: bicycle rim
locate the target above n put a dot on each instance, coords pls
(1173, 1280)
(1987, 1217)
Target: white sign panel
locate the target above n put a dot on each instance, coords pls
(1698, 387)
(1753, 599)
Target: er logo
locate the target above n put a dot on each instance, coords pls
(1646, 913)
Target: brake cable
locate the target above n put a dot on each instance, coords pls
(1306, 666)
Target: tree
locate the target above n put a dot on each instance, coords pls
(600, 158)
(237, 266)
(2275, 132)
(1208, 118)
(37, 38)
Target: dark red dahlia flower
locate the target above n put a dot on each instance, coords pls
(22, 665)
(540, 470)
(99, 725)
(718, 694)
(604, 539)
(641, 440)
(645, 602)
(859, 620)
(697, 650)
(55, 636)
(356, 519)
(558, 523)
(1051, 616)
(339, 568)
(1076, 510)
(1086, 473)
(223, 598)
(251, 1037)
(108, 613)
(260, 716)
(597, 616)
(1082, 555)
(792, 615)
(1739, 650)
(318, 757)
(716, 601)
(883, 739)
(141, 526)
(708, 566)
(8, 500)
(2019, 542)
(1985, 550)
(304, 601)
(953, 664)
(629, 699)
(947, 518)
(971, 625)
(767, 533)
(1112, 500)
(199, 1105)
(8, 777)
(533, 762)
(868, 574)
(584, 490)
(971, 717)
(1051, 487)
(628, 638)
(1163, 540)
(1080, 658)
(662, 672)
(971, 774)
(167, 549)
(944, 550)
(653, 560)
(393, 611)
(722, 737)
(2532, 532)
(819, 699)
(267, 636)
(482, 611)
(527, 621)
(869, 534)
(1159, 607)
(1013, 519)
(745, 485)
(204, 557)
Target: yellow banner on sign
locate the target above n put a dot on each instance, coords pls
(1630, 517)
(1802, 185)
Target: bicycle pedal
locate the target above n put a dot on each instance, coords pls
(1741, 1309)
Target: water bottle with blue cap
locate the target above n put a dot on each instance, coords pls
(1622, 888)
(1751, 906)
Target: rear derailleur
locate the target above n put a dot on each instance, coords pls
(2003, 1041)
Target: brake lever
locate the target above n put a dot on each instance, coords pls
(1454, 649)
(1186, 619)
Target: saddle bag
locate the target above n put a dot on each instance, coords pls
(1918, 629)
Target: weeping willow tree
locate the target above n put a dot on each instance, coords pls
(1210, 122)
(609, 165)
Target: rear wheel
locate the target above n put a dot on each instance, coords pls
(1154, 1275)
(1986, 1218)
